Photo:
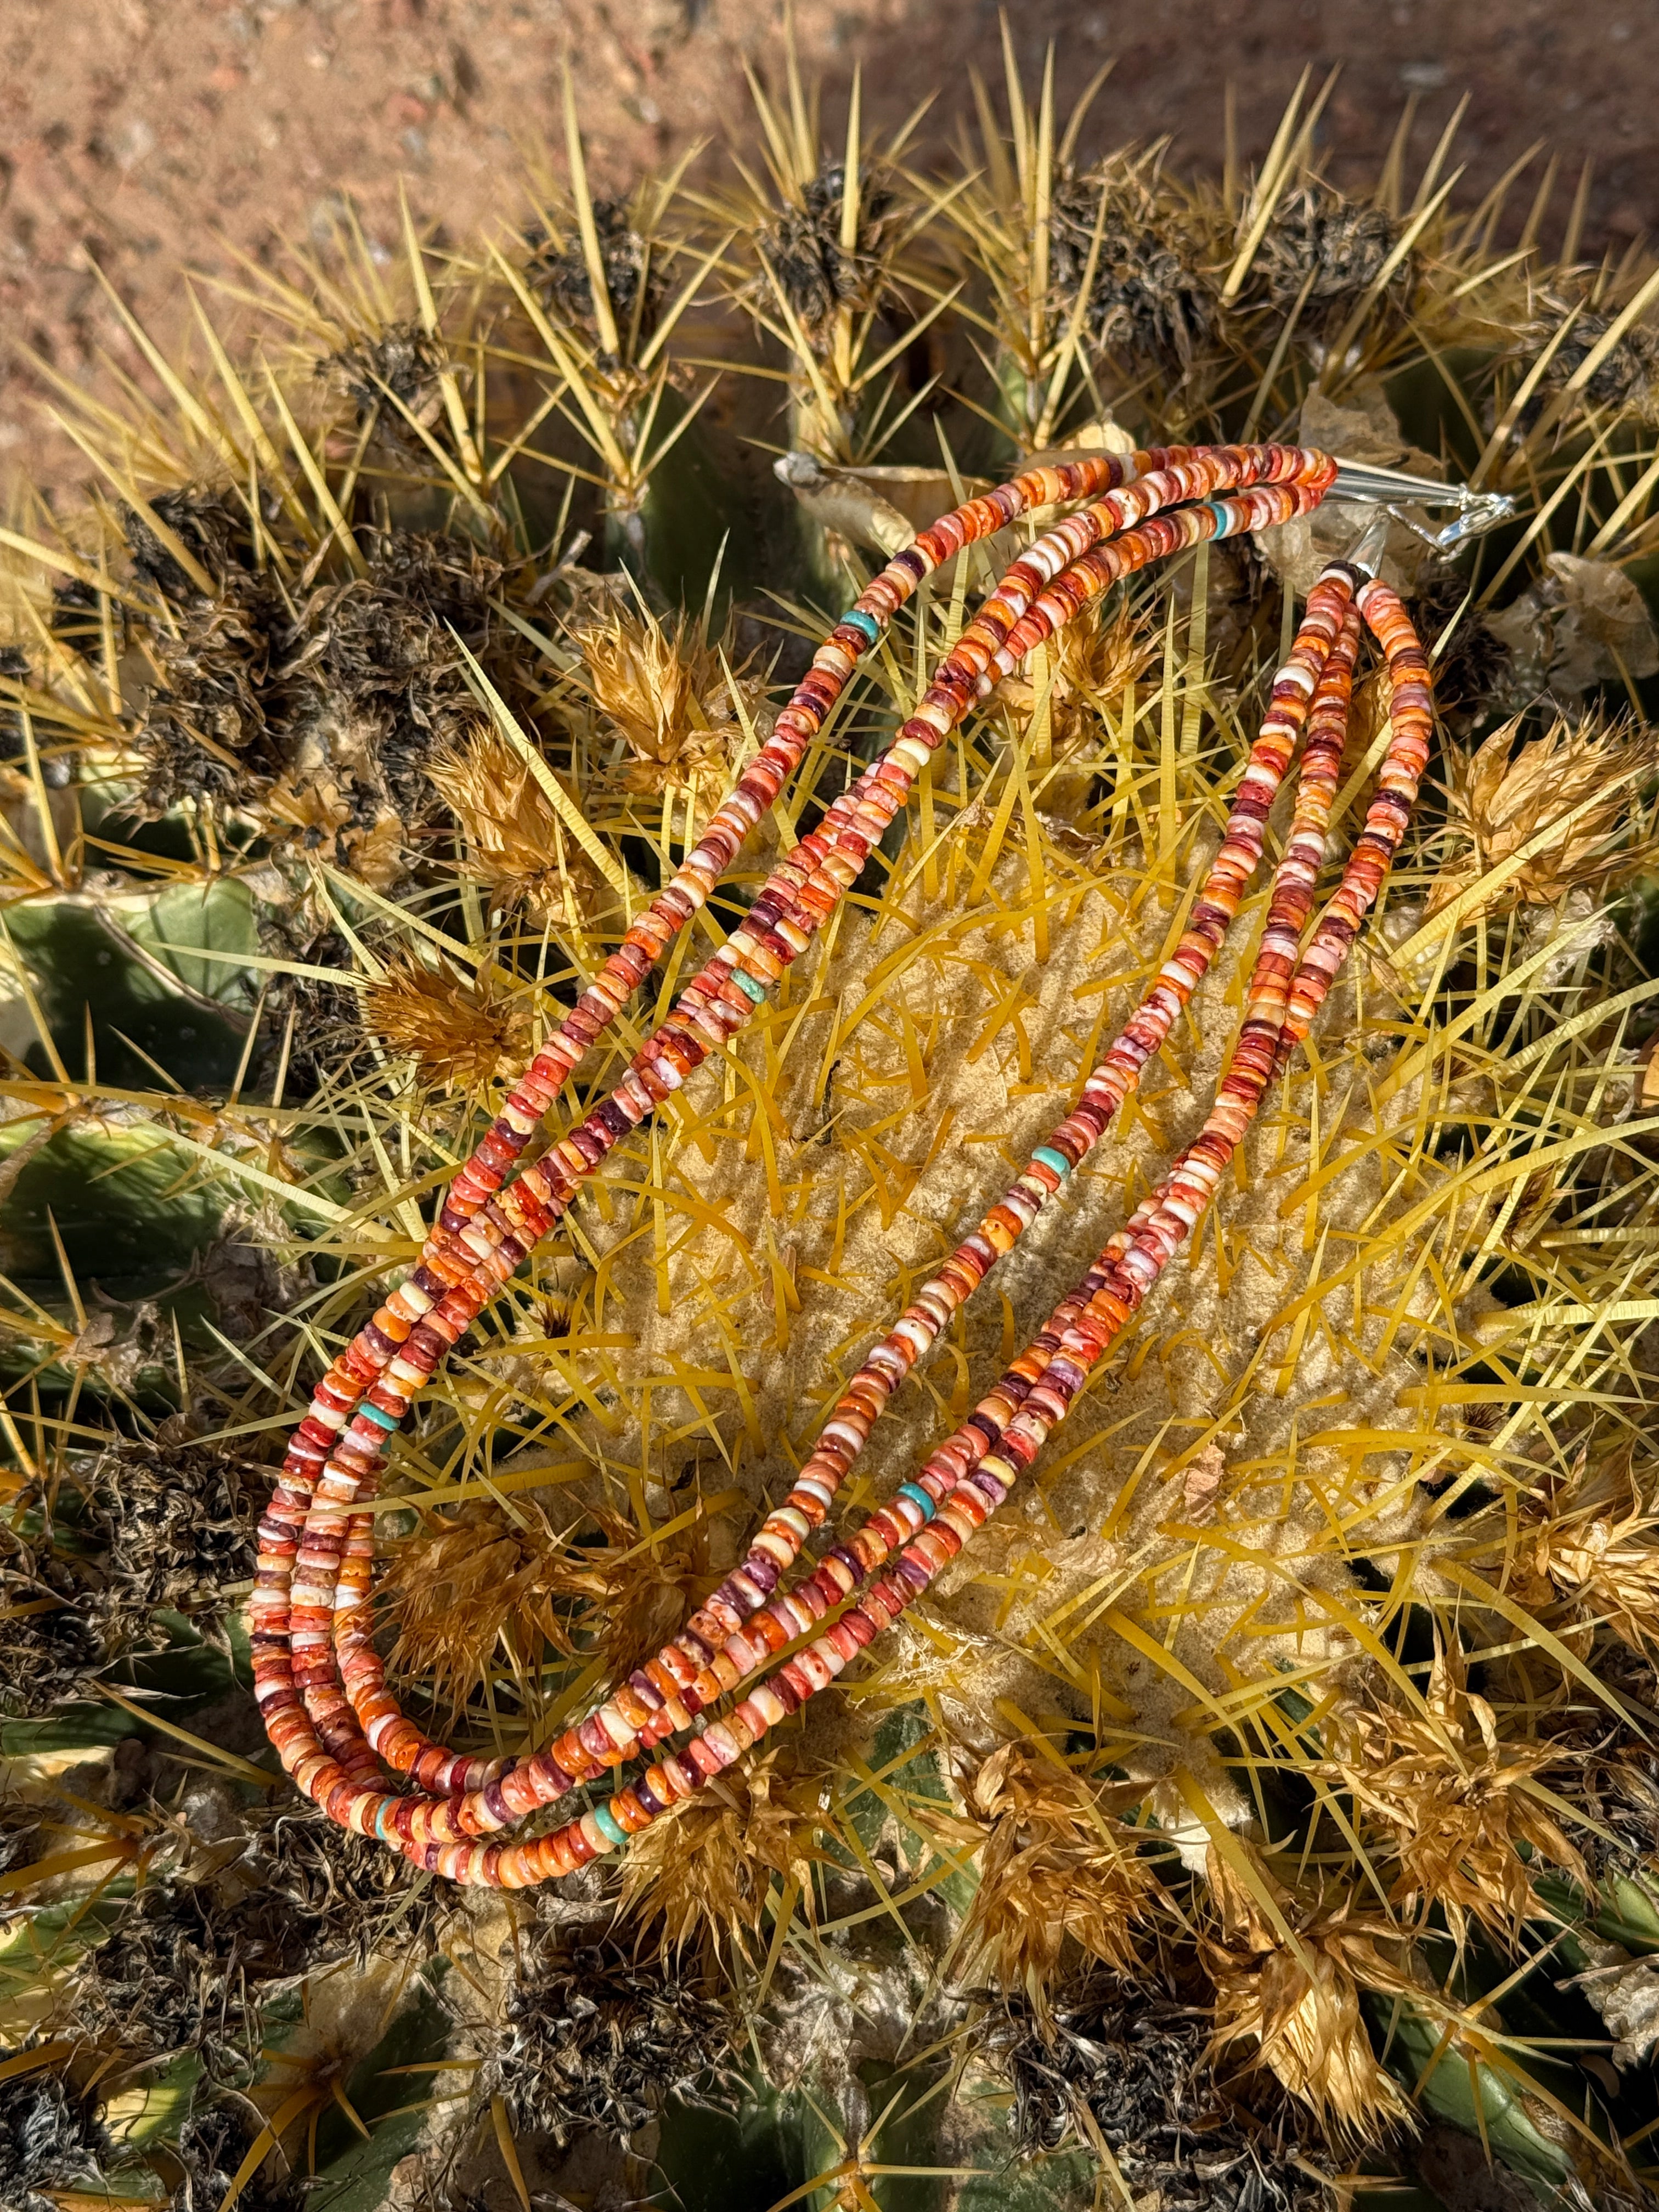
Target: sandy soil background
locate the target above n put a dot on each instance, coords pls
(149, 138)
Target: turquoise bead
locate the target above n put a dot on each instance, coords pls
(757, 991)
(860, 620)
(915, 1491)
(606, 1821)
(376, 1414)
(1051, 1158)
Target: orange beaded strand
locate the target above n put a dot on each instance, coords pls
(326, 1572)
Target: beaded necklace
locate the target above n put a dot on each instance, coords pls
(318, 1680)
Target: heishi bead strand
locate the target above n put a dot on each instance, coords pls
(339, 1756)
(668, 1689)
(386, 1731)
(1070, 592)
(502, 1801)
(335, 1759)
(966, 1481)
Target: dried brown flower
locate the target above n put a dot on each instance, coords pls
(1124, 2062)
(559, 274)
(629, 1592)
(1624, 379)
(176, 1974)
(76, 617)
(1620, 1792)
(405, 360)
(1094, 663)
(50, 1646)
(1336, 247)
(475, 1583)
(694, 1881)
(1595, 1542)
(326, 1038)
(319, 718)
(809, 265)
(1501, 798)
(52, 2146)
(335, 825)
(1054, 1866)
(1448, 1802)
(214, 2137)
(212, 526)
(593, 2039)
(459, 1032)
(476, 1589)
(1298, 2003)
(1615, 1788)
(174, 1524)
(161, 1526)
(516, 837)
(262, 1898)
(1152, 294)
(346, 1897)
(204, 733)
(675, 699)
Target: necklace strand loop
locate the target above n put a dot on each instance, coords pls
(320, 1680)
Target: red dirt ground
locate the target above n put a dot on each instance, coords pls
(149, 137)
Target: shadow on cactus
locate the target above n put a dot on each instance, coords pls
(1263, 1807)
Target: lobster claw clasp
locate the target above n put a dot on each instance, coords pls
(1392, 491)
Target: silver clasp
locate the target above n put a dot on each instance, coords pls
(1392, 490)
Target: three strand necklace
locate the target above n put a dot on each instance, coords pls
(319, 1679)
